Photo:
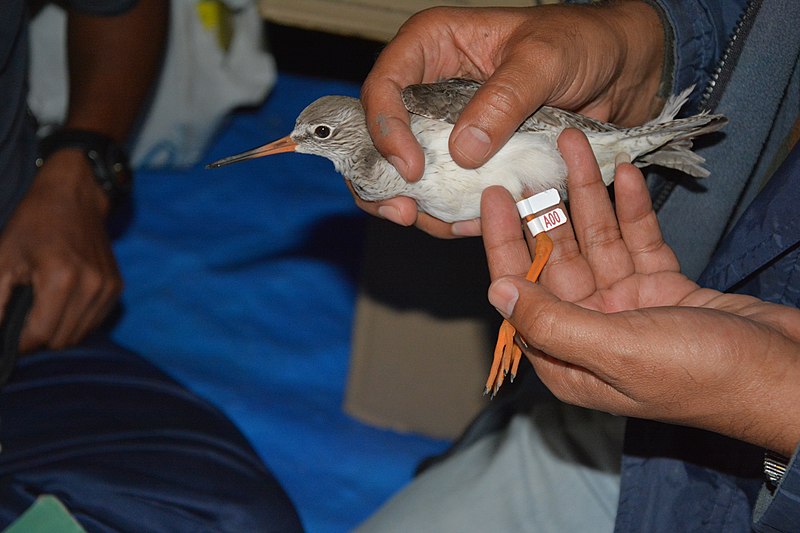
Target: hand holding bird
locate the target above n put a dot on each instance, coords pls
(608, 67)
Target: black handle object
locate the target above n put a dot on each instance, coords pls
(19, 303)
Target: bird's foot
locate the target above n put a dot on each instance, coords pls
(507, 356)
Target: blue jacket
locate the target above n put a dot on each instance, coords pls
(683, 479)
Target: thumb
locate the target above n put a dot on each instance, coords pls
(503, 295)
(506, 292)
(494, 113)
(524, 303)
(557, 327)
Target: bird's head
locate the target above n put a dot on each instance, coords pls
(331, 127)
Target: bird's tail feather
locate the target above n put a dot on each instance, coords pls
(677, 152)
(673, 104)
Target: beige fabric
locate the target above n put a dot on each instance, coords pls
(424, 332)
(378, 20)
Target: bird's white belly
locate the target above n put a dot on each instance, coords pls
(527, 164)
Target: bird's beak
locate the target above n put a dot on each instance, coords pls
(284, 144)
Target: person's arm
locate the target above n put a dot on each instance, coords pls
(56, 238)
(615, 326)
(603, 61)
(113, 61)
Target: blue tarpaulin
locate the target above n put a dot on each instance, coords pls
(241, 283)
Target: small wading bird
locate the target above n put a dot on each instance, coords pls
(334, 127)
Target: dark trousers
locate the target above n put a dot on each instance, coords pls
(126, 448)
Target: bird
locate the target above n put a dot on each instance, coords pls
(335, 127)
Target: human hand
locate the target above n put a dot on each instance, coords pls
(604, 62)
(56, 241)
(402, 210)
(615, 326)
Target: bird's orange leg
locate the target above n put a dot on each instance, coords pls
(507, 354)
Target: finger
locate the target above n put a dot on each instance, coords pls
(445, 230)
(592, 215)
(570, 333)
(7, 282)
(638, 223)
(401, 210)
(90, 303)
(567, 273)
(96, 313)
(501, 104)
(399, 65)
(467, 228)
(72, 323)
(48, 307)
(506, 248)
(577, 385)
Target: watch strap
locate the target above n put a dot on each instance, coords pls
(107, 157)
(775, 466)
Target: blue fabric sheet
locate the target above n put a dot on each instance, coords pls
(240, 283)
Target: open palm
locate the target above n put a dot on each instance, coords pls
(615, 326)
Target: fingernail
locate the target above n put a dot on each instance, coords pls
(503, 295)
(622, 157)
(391, 214)
(474, 144)
(467, 228)
(399, 164)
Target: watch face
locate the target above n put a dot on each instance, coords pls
(111, 170)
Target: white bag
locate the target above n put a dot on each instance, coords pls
(215, 62)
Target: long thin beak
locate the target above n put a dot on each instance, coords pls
(284, 144)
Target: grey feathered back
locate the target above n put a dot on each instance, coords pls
(446, 100)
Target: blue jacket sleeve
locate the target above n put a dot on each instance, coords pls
(700, 31)
(780, 513)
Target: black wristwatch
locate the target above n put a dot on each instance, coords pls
(108, 159)
(775, 466)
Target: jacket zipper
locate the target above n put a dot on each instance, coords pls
(720, 77)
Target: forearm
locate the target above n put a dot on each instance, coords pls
(113, 62)
(638, 27)
(758, 406)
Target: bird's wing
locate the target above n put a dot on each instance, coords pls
(440, 101)
(446, 100)
(549, 118)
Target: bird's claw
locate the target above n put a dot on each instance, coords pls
(507, 356)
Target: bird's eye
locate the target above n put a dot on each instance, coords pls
(323, 132)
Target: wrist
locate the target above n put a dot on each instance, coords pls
(68, 174)
(768, 415)
(639, 28)
(104, 158)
